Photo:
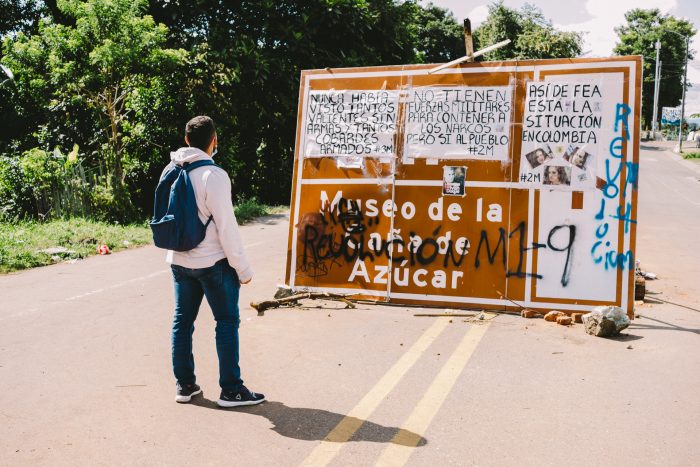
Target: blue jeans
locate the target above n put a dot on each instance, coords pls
(220, 284)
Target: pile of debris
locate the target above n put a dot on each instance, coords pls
(603, 321)
(640, 278)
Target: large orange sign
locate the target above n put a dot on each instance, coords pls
(490, 184)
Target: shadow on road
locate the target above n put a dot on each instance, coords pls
(652, 148)
(668, 327)
(625, 337)
(661, 301)
(315, 424)
(269, 219)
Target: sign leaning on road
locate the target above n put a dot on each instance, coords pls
(482, 185)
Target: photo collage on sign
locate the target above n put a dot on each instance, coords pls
(562, 127)
(570, 166)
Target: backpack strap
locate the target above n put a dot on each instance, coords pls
(193, 165)
(187, 166)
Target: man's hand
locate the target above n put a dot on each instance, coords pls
(246, 282)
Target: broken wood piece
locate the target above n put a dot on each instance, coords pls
(473, 56)
(260, 307)
(468, 42)
(503, 297)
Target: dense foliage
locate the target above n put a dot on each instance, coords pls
(531, 34)
(638, 37)
(103, 88)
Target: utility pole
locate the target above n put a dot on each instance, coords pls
(685, 75)
(657, 76)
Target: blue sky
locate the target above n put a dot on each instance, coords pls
(597, 19)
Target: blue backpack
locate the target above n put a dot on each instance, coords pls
(175, 224)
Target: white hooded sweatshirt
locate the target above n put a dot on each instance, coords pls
(212, 189)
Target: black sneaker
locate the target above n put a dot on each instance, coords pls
(238, 398)
(185, 392)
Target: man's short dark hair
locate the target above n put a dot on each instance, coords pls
(200, 132)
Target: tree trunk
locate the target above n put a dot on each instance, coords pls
(111, 111)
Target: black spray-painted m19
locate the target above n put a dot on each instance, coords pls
(520, 232)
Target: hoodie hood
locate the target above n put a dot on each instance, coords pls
(188, 154)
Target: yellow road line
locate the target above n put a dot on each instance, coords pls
(398, 452)
(333, 442)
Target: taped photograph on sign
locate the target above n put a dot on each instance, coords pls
(453, 178)
(495, 185)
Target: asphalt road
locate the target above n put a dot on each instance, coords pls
(85, 373)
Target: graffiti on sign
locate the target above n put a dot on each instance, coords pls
(459, 188)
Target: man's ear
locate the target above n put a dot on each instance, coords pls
(187, 140)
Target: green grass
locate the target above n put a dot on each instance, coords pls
(248, 209)
(691, 155)
(20, 243)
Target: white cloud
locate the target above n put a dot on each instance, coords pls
(599, 29)
(600, 37)
(606, 15)
(478, 15)
(692, 96)
(460, 8)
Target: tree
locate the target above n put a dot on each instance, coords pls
(532, 35)
(118, 82)
(638, 37)
(437, 36)
(19, 15)
(80, 83)
(257, 49)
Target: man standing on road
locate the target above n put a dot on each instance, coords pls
(215, 268)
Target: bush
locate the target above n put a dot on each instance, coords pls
(249, 208)
(112, 204)
(15, 196)
(40, 185)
